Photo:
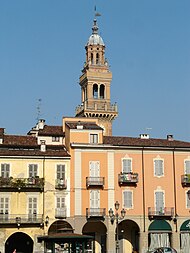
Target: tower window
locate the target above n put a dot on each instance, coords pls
(95, 91)
(97, 58)
(92, 58)
(102, 89)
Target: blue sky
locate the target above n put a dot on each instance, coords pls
(147, 46)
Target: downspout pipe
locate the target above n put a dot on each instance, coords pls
(143, 183)
(175, 197)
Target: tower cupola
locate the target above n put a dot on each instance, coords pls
(95, 84)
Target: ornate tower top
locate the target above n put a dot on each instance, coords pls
(95, 84)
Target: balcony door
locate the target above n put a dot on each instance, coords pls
(94, 202)
(32, 208)
(94, 169)
(159, 202)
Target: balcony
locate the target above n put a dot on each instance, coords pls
(128, 178)
(61, 213)
(19, 220)
(163, 213)
(61, 184)
(95, 182)
(21, 184)
(95, 213)
(185, 180)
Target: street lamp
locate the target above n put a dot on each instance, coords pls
(116, 217)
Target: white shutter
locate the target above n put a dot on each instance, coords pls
(94, 169)
(187, 200)
(60, 202)
(5, 170)
(94, 199)
(32, 205)
(4, 205)
(158, 167)
(159, 201)
(127, 165)
(187, 167)
(61, 171)
(33, 170)
(128, 199)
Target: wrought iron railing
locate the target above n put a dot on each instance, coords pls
(124, 178)
(95, 212)
(95, 181)
(61, 184)
(21, 219)
(61, 213)
(21, 183)
(165, 211)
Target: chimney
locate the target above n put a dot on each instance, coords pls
(79, 126)
(144, 136)
(1, 135)
(41, 123)
(43, 146)
(170, 137)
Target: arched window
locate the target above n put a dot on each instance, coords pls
(102, 91)
(95, 91)
(92, 58)
(97, 58)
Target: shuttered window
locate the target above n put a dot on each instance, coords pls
(5, 170)
(187, 167)
(60, 202)
(4, 205)
(126, 165)
(61, 171)
(159, 201)
(94, 168)
(95, 199)
(33, 170)
(32, 206)
(128, 199)
(187, 201)
(158, 167)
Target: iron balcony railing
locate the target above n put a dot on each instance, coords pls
(128, 178)
(95, 212)
(61, 184)
(22, 183)
(185, 179)
(20, 219)
(61, 213)
(160, 212)
(95, 181)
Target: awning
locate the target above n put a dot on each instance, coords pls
(185, 227)
(159, 226)
(64, 237)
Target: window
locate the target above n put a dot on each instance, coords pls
(126, 165)
(33, 170)
(187, 167)
(187, 200)
(55, 138)
(60, 202)
(128, 199)
(94, 199)
(159, 202)
(95, 91)
(158, 167)
(5, 170)
(102, 91)
(94, 169)
(32, 208)
(4, 205)
(61, 171)
(94, 138)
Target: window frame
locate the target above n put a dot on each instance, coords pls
(93, 138)
(5, 172)
(131, 167)
(32, 173)
(132, 202)
(157, 174)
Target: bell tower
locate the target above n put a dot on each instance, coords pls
(95, 83)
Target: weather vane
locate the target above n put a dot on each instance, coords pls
(96, 14)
